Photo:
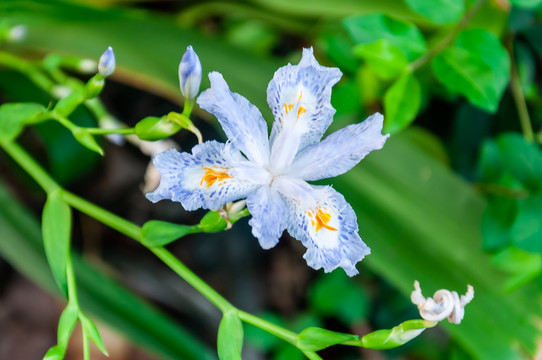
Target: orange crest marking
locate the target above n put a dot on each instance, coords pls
(213, 175)
(320, 218)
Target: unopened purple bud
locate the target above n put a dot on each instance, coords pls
(106, 65)
(190, 74)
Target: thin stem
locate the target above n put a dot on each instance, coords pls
(519, 98)
(102, 131)
(72, 289)
(86, 349)
(31, 167)
(113, 221)
(444, 43)
(271, 328)
(312, 355)
(191, 278)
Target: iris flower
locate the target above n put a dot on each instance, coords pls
(272, 173)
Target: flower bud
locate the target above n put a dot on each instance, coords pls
(153, 128)
(106, 65)
(190, 74)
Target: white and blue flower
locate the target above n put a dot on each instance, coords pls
(272, 173)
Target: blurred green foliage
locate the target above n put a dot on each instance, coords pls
(463, 69)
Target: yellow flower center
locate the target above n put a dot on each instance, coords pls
(319, 218)
(213, 175)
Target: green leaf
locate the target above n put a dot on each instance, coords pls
(13, 117)
(315, 339)
(230, 337)
(497, 222)
(386, 59)
(397, 336)
(87, 140)
(422, 222)
(369, 28)
(401, 103)
(522, 159)
(92, 332)
(526, 3)
(527, 229)
(522, 266)
(160, 233)
(350, 307)
(477, 66)
(57, 352)
(66, 324)
(438, 11)
(56, 228)
(153, 128)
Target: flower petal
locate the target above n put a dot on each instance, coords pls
(242, 122)
(208, 178)
(340, 151)
(268, 220)
(310, 84)
(328, 229)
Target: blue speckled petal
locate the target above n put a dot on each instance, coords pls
(340, 151)
(242, 122)
(208, 178)
(329, 230)
(309, 84)
(268, 210)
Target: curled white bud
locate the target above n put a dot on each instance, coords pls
(17, 33)
(106, 65)
(190, 74)
(443, 304)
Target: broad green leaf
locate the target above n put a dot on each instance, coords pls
(160, 233)
(369, 28)
(230, 337)
(21, 245)
(527, 229)
(315, 339)
(56, 228)
(526, 3)
(438, 11)
(87, 140)
(477, 66)
(386, 59)
(497, 222)
(57, 352)
(66, 324)
(423, 222)
(522, 266)
(92, 332)
(522, 159)
(13, 117)
(401, 103)
(350, 307)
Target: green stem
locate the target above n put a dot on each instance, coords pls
(72, 289)
(312, 355)
(86, 349)
(191, 278)
(113, 221)
(519, 98)
(133, 231)
(102, 131)
(30, 166)
(444, 43)
(271, 328)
